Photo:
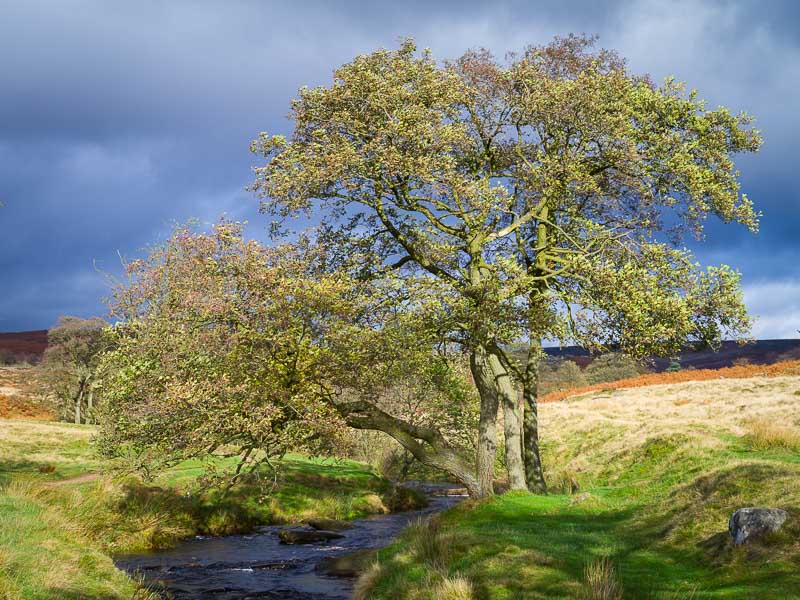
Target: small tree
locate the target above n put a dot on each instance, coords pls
(227, 347)
(527, 200)
(70, 365)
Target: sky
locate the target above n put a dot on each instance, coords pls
(120, 119)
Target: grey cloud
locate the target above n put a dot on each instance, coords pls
(119, 119)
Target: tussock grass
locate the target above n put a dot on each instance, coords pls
(767, 434)
(428, 543)
(365, 584)
(456, 587)
(601, 581)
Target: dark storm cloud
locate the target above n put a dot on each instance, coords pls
(118, 119)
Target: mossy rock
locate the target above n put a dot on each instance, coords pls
(329, 524)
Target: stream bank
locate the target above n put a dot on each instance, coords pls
(258, 565)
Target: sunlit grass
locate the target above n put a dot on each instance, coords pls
(653, 484)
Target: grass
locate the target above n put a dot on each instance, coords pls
(61, 516)
(790, 367)
(601, 582)
(647, 487)
(766, 434)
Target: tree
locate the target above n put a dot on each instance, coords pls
(541, 198)
(70, 364)
(227, 347)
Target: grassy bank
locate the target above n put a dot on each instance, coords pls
(645, 481)
(61, 517)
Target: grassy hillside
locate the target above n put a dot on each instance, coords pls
(645, 482)
(61, 518)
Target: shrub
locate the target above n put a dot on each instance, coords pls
(559, 374)
(612, 367)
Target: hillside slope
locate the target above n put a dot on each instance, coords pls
(22, 346)
(645, 480)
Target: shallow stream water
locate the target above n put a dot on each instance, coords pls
(257, 565)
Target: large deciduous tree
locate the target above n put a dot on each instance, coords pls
(544, 197)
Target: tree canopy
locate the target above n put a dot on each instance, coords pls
(544, 197)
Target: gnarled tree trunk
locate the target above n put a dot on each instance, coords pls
(426, 444)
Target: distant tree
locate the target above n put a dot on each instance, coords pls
(70, 365)
(612, 366)
(540, 198)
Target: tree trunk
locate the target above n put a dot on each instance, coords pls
(512, 423)
(427, 445)
(78, 402)
(90, 407)
(533, 463)
(487, 425)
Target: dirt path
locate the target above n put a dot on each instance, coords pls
(86, 477)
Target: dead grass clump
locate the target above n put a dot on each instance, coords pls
(455, 587)
(427, 542)
(766, 434)
(600, 581)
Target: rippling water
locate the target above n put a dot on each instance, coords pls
(259, 566)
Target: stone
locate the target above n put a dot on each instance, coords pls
(347, 565)
(750, 523)
(329, 524)
(580, 498)
(450, 492)
(303, 536)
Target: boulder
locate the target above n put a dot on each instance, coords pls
(329, 524)
(750, 523)
(347, 565)
(306, 536)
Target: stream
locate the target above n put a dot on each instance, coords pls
(258, 565)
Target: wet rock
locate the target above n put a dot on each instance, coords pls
(449, 492)
(403, 498)
(347, 565)
(306, 536)
(750, 523)
(329, 524)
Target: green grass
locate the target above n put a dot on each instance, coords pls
(57, 532)
(43, 555)
(651, 510)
